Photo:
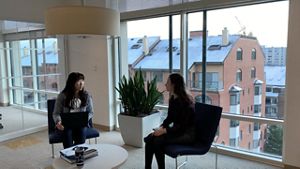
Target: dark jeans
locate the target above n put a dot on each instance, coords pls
(73, 137)
(155, 146)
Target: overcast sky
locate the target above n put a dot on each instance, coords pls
(268, 22)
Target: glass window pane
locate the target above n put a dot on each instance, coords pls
(28, 82)
(263, 139)
(40, 56)
(253, 54)
(25, 54)
(239, 54)
(24, 63)
(148, 49)
(51, 56)
(194, 51)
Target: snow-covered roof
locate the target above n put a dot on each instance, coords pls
(275, 75)
(134, 54)
(258, 82)
(51, 57)
(159, 58)
(235, 89)
(50, 52)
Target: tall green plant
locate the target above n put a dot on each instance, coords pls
(136, 99)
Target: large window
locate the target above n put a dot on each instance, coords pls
(29, 75)
(34, 74)
(212, 80)
(154, 56)
(235, 74)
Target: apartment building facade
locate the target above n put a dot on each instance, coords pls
(274, 56)
(234, 79)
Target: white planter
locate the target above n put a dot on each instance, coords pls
(134, 129)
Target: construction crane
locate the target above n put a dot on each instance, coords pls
(243, 27)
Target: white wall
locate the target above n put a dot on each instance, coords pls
(90, 56)
(292, 110)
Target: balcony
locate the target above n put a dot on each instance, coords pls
(210, 85)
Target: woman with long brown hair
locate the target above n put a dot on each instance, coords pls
(73, 98)
(177, 128)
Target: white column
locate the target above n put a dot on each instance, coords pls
(183, 48)
(3, 77)
(33, 49)
(91, 56)
(17, 72)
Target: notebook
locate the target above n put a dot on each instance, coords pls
(74, 119)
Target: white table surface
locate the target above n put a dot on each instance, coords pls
(109, 156)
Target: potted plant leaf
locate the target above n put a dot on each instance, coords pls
(138, 100)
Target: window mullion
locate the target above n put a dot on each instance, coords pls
(183, 46)
(33, 50)
(204, 38)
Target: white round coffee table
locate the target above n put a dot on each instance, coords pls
(109, 156)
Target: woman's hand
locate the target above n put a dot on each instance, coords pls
(160, 131)
(59, 126)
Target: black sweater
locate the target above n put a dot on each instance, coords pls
(181, 115)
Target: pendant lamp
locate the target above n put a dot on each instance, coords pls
(67, 20)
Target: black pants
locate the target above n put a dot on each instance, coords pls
(155, 146)
(73, 137)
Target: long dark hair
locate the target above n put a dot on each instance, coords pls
(179, 88)
(69, 89)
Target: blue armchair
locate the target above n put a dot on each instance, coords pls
(207, 118)
(55, 136)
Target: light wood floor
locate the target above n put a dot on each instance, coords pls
(14, 119)
(34, 152)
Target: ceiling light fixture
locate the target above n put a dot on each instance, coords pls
(66, 20)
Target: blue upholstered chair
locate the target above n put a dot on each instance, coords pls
(207, 118)
(55, 136)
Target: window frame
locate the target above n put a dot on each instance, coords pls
(17, 92)
(229, 115)
(239, 75)
(239, 54)
(253, 54)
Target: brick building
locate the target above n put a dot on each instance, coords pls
(234, 78)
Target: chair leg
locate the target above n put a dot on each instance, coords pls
(96, 140)
(182, 164)
(52, 150)
(216, 157)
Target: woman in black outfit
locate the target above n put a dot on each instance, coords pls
(177, 128)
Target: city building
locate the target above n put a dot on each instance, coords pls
(225, 87)
(275, 56)
(275, 91)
